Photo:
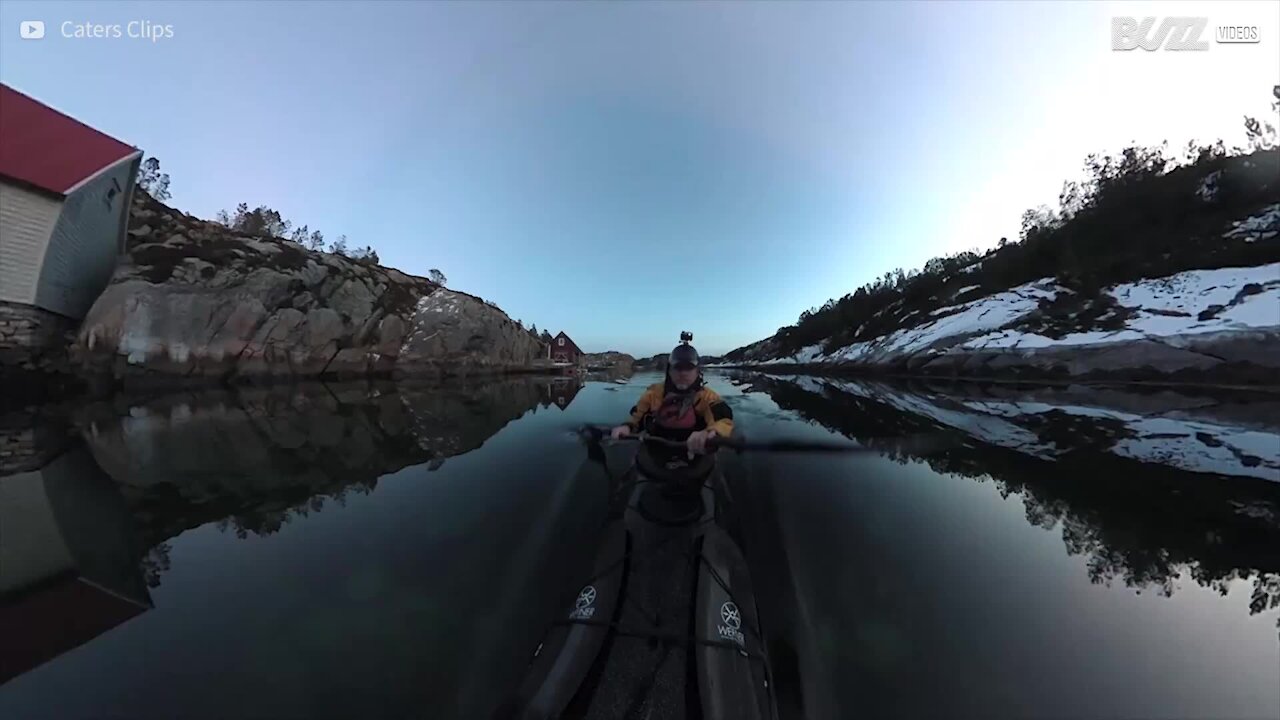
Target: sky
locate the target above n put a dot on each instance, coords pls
(624, 171)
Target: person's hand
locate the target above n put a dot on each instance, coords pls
(697, 442)
(620, 432)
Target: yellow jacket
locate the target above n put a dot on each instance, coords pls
(707, 410)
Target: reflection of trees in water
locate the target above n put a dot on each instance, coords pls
(268, 520)
(1145, 526)
(1130, 544)
(155, 563)
(1266, 594)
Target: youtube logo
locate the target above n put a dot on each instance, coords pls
(32, 29)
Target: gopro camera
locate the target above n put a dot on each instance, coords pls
(686, 336)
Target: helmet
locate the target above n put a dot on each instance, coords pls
(683, 357)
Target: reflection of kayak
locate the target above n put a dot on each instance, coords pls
(665, 625)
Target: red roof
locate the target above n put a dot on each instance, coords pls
(570, 340)
(46, 623)
(43, 147)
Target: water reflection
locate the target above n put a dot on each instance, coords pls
(254, 459)
(914, 586)
(1144, 520)
(69, 553)
(560, 391)
(89, 501)
(183, 555)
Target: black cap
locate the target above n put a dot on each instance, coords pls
(683, 357)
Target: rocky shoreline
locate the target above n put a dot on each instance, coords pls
(1100, 367)
(1136, 364)
(194, 303)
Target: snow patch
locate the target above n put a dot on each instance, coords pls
(1263, 226)
(1029, 341)
(1195, 290)
(851, 353)
(1171, 306)
(804, 356)
(988, 313)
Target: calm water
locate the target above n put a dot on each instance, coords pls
(383, 551)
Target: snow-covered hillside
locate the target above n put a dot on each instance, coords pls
(1194, 321)
(1190, 303)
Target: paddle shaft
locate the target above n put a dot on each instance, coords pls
(599, 433)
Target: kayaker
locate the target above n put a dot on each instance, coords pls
(681, 407)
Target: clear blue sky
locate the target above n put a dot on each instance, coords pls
(626, 171)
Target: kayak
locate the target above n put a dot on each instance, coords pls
(665, 625)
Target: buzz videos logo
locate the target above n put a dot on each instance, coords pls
(31, 29)
(1175, 33)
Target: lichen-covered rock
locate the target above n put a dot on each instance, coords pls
(459, 330)
(196, 300)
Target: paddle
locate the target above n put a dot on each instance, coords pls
(914, 445)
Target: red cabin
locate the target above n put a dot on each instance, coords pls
(564, 349)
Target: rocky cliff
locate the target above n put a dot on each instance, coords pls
(195, 300)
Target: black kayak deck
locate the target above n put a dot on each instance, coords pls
(665, 626)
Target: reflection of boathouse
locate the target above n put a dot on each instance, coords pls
(560, 391)
(68, 561)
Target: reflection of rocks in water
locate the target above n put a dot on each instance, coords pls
(155, 563)
(1078, 461)
(253, 459)
(30, 439)
(459, 417)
